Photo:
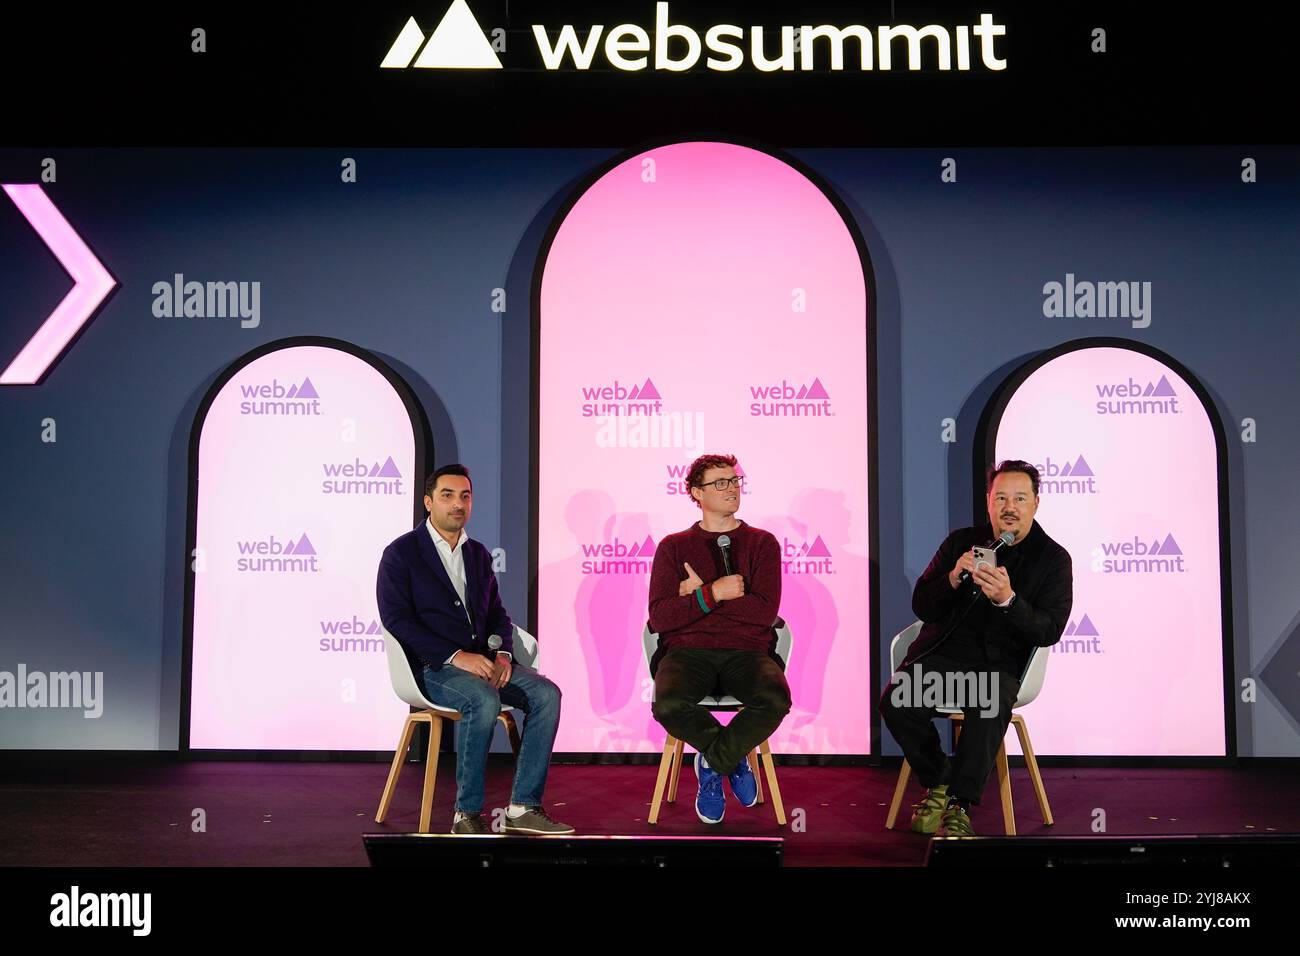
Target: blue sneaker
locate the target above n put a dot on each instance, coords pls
(743, 784)
(710, 804)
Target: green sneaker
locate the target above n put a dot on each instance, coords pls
(926, 814)
(955, 823)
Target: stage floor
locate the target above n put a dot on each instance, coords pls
(138, 812)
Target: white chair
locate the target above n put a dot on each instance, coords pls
(1030, 684)
(408, 689)
(671, 761)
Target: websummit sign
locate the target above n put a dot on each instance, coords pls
(458, 42)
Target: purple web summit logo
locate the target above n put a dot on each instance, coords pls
(1139, 556)
(358, 478)
(618, 557)
(1081, 638)
(1074, 477)
(273, 555)
(277, 398)
(352, 635)
(1134, 398)
(806, 557)
(619, 400)
(790, 401)
(676, 484)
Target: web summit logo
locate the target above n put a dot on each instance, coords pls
(802, 401)
(617, 557)
(1072, 478)
(1081, 638)
(458, 42)
(293, 400)
(676, 484)
(806, 558)
(1139, 557)
(358, 478)
(1134, 398)
(353, 635)
(605, 401)
(275, 556)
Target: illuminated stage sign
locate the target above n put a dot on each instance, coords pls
(699, 298)
(306, 471)
(1130, 487)
(458, 42)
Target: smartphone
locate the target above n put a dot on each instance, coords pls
(985, 556)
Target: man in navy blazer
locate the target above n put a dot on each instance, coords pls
(438, 596)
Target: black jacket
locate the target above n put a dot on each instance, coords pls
(1041, 577)
(420, 607)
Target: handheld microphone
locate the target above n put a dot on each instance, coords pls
(494, 642)
(1006, 537)
(724, 545)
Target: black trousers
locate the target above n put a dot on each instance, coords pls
(689, 673)
(912, 725)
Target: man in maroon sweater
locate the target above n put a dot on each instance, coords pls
(713, 610)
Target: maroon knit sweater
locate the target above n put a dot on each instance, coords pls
(698, 620)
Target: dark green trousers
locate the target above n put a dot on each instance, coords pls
(687, 674)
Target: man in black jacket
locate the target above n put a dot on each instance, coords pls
(981, 624)
(438, 597)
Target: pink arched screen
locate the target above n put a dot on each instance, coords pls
(1130, 487)
(702, 297)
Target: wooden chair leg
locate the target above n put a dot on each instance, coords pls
(430, 772)
(757, 770)
(677, 771)
(772, 785)
(390, 787)
(1004, 788)
(665, 765)
(1031, 763)
(512, 729)
(900, 788)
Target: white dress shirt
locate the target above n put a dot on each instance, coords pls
(453, 560)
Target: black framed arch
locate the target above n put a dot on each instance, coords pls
(1134, 483)
(593, 543)
(306, 456)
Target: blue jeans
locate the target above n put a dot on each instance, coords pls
(479, 703)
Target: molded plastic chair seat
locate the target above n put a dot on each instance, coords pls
(670, 764)
(408, 690)
(1030, 685)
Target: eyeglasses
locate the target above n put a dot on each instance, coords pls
(722, 484)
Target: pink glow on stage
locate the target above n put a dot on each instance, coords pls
(288, 649)
(91, 285)
(1130, 488)
(720, 307)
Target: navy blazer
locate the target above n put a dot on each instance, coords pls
(420, 607)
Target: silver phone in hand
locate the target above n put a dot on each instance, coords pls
(986, 557)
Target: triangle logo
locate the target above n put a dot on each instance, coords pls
(647, 547)
(819, 549)
(817, 389)
(390, 469)
(457, 43)
(304, 546)
(648, 391)
(1170, 546)
(1081, 469)
(1086, 628)
(1163, 389)
(307, 389)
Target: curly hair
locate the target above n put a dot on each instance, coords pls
(695, 476)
